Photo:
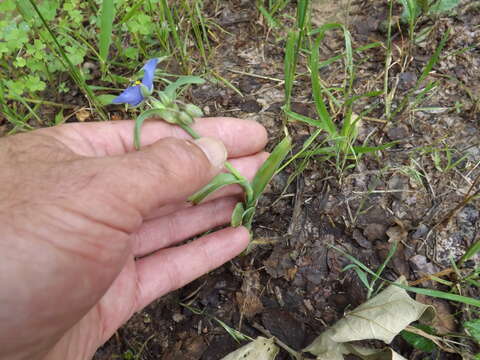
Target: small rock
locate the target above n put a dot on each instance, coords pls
(250, 106)
(399, 184)
(361, 240)
(407, 80)
(248, 84)
(398, 132)
(375, 231)
(421, 231)
(177, 317)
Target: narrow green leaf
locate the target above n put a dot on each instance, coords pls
(105, 99)
(435, 57)
(218, 182)
(473, 328)
(237, 215)
(368, 149)
(428, 292)
(131, 13)
(290, 65)
(305, 119)
(327, 122)
(107, 16)
(270, 19)
(302, 10)
(266, 172)
(247, 217)
(171, 89)
(139, 122)
(471, 252)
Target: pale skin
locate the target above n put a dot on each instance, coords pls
(91, 231)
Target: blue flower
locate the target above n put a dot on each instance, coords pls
(134, 95)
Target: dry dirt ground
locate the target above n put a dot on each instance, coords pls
(293, 284)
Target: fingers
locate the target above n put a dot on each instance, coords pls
(172, 268)
(168, 171)
(241, 137)
(171, 229)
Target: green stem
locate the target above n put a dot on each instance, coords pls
(243, 180)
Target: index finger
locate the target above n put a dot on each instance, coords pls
(241, 137)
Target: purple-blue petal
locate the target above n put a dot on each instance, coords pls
(149, 73)
(131, 95)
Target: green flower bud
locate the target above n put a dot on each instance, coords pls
(193, 110)
(164, 98)
(157, 104)
(168, 115)
(185, 118)
(146, 92)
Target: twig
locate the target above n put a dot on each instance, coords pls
(280, 343)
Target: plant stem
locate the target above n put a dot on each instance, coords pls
(243, 180)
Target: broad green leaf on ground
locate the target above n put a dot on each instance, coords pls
(260, 349)
(473, 328)
(418, 341)
(380, 318)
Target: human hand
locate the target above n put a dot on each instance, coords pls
(89, 227)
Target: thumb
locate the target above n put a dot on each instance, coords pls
(167, 171)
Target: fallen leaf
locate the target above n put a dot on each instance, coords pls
(82, 115)
(397, 234)
(249, 296)
(380, 318)
(260, 349)
(444, 322)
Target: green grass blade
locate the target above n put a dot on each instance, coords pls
(341, 56)
(305, 119)
(434, 59)
(369, 149)
(428, 292)
(269, 167)
(131, 13)
(272, 23)
(442, 295)
(171, 90)
(107, 16)
(322, 111)
(302, 10)
(290, 66)
(471, 252)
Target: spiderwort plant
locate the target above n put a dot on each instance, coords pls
(166, 107)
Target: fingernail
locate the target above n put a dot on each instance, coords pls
(214, 150)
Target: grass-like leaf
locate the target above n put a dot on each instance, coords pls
(270, 166)
(471, 252)
(141, 119)
(171, 89)
(218, 182)
(237, 215)
(107, 17)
